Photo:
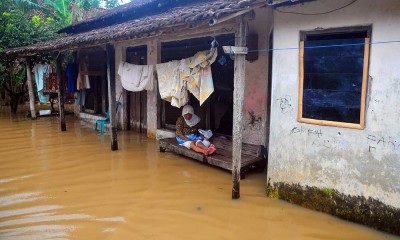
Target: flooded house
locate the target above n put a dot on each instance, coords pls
(307, 84)
(334, 141)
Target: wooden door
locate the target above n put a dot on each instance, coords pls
(138, 111)
(137, 101)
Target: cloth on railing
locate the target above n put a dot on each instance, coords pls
(136, 78)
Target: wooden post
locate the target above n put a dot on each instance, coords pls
(238, 94)
(103, 95)
(60, 93)
(110, 55)
(30, 88)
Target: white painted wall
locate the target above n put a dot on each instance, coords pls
(356, 162)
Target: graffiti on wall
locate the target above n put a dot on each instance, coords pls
(387, 143)
(306, 131)
(320, 139)
(285, 104)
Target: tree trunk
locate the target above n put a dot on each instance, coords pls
(14, 98)
(14, 105)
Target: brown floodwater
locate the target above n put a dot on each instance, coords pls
(69, 185)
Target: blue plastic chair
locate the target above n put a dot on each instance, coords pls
(105, 121)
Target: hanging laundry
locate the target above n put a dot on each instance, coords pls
(81, 97)
(171, 85)
(193, 74)
(40, 70)
(83, 77)
(72, 75)
(200, 81)
(50, 80)
(136, 78)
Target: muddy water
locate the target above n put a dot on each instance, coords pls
(70, 185)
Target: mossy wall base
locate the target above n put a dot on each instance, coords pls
(370, 212)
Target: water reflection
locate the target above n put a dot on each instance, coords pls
(69, 185)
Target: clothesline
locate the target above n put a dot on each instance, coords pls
(322, 46)
(175, 78)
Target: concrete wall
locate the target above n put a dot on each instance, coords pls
(256, 85)
(356, 162)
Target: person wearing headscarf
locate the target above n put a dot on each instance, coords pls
(187, 132)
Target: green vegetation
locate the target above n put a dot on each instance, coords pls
(25, 22)
(19, 28)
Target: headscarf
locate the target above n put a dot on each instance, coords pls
(194, 120)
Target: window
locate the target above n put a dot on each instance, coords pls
(333, 77)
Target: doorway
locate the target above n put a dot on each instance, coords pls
(216, 113)
(137, 101)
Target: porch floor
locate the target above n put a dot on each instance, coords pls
(222, 158)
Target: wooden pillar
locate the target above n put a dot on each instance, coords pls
(110, 55)
(103, 95)
(153, 101)
(30, 87)
(238, 95)
(60, 93)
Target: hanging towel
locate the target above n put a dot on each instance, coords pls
(200, 81)
(136, 78)
(193, 74)
(40, 70)
(83, 77)
(170, 83)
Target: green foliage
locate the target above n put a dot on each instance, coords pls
(20, 27)
(26, 22)
(17, 30)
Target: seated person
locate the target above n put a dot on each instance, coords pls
(187, 132)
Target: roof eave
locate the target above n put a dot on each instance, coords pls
(286, 3)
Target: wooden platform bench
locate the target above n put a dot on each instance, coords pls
(252, 158)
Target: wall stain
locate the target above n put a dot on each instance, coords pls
(254, 121)
(367, 211)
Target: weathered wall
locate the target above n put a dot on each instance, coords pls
(355, 162)
(255, 97)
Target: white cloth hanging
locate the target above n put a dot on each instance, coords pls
(200, 81)
(171, 86)
(193, 74)
(136, 78)
(82, 80)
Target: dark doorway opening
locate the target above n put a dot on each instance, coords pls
(96, 97)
